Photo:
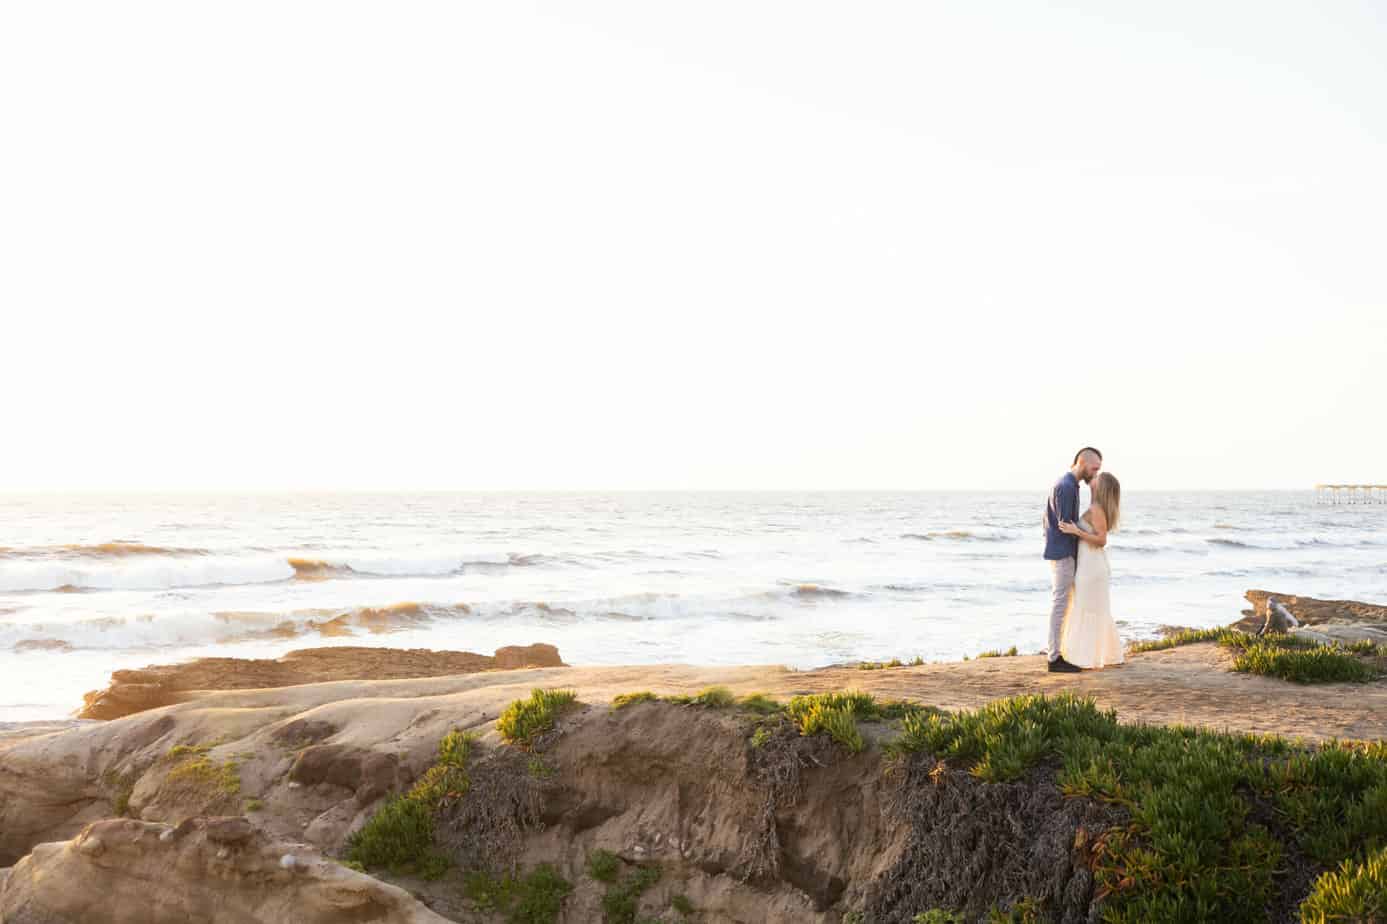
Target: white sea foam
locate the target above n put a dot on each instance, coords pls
(142, 573)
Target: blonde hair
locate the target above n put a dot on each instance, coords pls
(1107, 496)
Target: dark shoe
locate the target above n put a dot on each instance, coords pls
(1061, 666)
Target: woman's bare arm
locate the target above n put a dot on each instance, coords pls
(1099, 536)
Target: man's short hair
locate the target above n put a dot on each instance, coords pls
(1080, 453)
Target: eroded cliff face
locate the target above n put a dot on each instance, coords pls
(742, 820)
(751, 822)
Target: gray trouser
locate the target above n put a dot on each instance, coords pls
(1061, 592)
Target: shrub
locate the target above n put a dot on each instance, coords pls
(861, 705)
(622, 899)
(525, 719)
(603, 866)
(400, 836)
(535, 898)
(1193, 850)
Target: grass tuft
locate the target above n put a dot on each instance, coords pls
(996, 653)
(838, 722)
(622, 700)
(715, 698)
(1356, 891)
(760, 703)
(1285, 655)
(526, 719)
(195, 770)
(1183, 637)
(1321, 664)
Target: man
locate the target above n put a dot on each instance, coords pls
(1062, 551)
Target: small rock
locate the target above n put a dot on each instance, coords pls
(223, 853)
(233, 830)
(92, 846)
(288, 861)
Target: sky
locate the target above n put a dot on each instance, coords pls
(638, 245)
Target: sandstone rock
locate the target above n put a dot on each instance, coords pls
(367, 773)
(517, 656)
(132, 691)
(139, 876)
(1310, 611)
(1330, 633)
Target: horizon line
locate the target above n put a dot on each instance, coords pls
(88, 491)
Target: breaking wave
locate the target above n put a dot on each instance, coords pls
(959, 535)
(117, 548)
(819, 592)
(197, 628)
(134, 566)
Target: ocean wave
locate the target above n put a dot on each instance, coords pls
(198, 628)
(312, 569)
(1234, 543)
(818, 592)
(1273, 572)
(914, 587)
(1281, 544)
(157, 568)
(116, 548)
(959, 535)
(154, 572)
(1139, 548)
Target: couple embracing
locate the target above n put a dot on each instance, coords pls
(1082, 632)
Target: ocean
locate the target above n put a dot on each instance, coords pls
(90, 584)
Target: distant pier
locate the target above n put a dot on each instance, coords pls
(1351, 493)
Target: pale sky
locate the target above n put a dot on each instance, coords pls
(282, 245)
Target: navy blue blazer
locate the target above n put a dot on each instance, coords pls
(1063, 505)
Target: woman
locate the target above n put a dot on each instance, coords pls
(1089, 637)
